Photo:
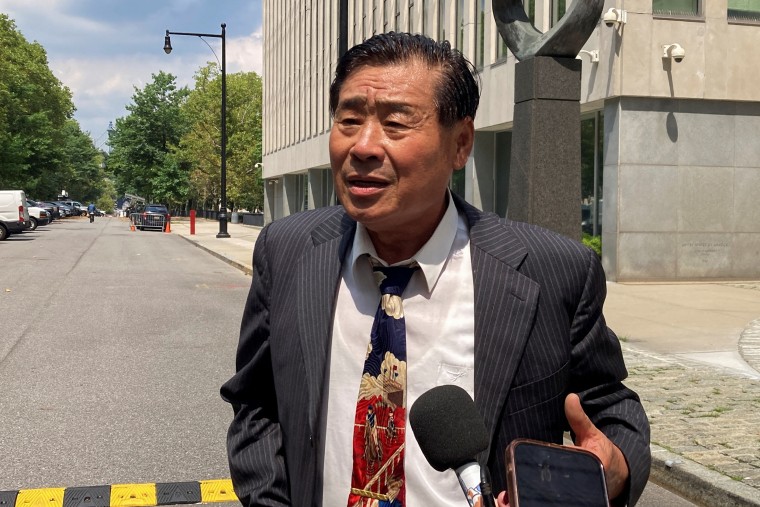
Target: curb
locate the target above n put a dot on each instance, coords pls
(242, 267)
(698, 484)
(749, 344)
(123, 495)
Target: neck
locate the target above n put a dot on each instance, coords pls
(393, 248)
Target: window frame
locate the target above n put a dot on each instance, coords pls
(742, 21)
(699, 15)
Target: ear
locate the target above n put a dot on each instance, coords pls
(464, 137)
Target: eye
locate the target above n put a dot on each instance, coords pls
(395, 125)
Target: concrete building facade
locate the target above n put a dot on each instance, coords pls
(670, 150)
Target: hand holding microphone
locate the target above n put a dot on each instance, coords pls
(450, 433)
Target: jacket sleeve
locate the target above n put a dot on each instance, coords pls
(597, 377)
(254, 439)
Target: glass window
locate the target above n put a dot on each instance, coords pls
(480, 12)
(531, 12)
(744, 10)
(424, 14)
(677, 7)
(442, 20)
(459, 16)
(558, 10)
(373, 19)
(592, 143)
(501, 47)
(503, 155)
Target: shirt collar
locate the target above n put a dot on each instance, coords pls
(431, 257)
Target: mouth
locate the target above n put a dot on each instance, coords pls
(365, 186)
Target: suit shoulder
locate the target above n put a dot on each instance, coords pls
(303, 222)
(292, 234)
(546, 246)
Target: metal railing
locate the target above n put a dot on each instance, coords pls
(142, 221)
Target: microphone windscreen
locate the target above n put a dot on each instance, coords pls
(448, 427)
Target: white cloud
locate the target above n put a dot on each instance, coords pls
(246, 53)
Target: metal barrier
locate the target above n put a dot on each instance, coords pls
(141, 221)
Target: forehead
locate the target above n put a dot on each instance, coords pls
(403, 81)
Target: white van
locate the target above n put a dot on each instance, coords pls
(14, 214)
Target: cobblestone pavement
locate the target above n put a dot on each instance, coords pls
(749, 341)
(700, 413)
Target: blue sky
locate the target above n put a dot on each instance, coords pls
(102, 49)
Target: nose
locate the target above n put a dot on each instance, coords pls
(369, 142)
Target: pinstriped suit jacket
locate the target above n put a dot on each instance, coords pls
(539, 334)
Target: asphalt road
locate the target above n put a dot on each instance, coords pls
(113, 346)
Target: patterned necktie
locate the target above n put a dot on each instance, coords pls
(379, 426)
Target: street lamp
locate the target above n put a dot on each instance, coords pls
(168, 49)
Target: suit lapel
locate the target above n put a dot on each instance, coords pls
(319, 275)
(505, 305)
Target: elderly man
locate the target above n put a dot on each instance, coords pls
(327, 368)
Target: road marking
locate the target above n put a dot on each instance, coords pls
(123, 495)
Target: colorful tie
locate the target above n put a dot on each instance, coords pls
(379, 426)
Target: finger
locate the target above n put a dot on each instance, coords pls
(502, 499)
(577, 419)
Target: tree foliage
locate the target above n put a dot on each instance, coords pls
(142, 142)
(200, 147)
(42, 149)
(168, 148)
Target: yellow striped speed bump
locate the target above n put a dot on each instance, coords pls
(123, 495)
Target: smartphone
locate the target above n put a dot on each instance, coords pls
(540, 474)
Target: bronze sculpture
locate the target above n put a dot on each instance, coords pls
(565, 39)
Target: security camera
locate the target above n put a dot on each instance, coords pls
(675, 51)
(610, 18)
(614, 17)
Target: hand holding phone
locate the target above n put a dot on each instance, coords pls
(540, 474)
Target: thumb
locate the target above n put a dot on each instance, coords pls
(579, 422)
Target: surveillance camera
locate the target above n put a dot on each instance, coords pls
(610, 18)
(678, 54)
(614, 17)
(675, 51)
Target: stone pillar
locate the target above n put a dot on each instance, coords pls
(545, 169)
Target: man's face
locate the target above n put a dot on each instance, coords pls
(390, 156)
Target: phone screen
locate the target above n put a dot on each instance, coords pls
(549, 476)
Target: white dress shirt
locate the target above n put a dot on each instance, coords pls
(440, 322)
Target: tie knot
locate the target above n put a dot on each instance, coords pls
(393, 279)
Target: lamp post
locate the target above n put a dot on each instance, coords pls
(168, 49)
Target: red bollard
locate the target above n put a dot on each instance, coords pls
(192, 222)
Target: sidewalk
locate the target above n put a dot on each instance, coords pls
(693, 355)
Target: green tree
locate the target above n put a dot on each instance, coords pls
(200, 147)
(81, 168)
(35, 109)
(142, 141)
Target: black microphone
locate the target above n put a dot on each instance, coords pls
(450, 433)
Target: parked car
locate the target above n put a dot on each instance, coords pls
(37, 217)
(154, 216)
(77, 208)
(14, 212)
(65, 209)
(44, 205)
(56, 211)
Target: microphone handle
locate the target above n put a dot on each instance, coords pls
(469, 479)
(485, 487)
